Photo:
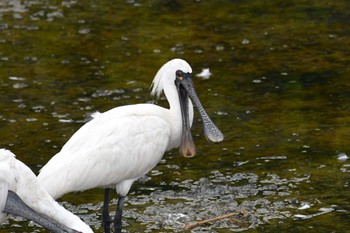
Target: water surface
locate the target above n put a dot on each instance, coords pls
(279, 91)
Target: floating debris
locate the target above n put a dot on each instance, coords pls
(205, 74)
(239, 216)
(16, 78)
(19, 85)
(322, 211)
(245, 41)
(304, 206)
(84, 31)
(273, 157)
(342, 156)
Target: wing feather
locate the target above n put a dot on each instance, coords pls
(113, 147)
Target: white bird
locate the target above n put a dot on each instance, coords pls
(22, 195)
(119, 146)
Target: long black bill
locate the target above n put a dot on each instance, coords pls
(14, 205)
(187, 146)
(186, 89)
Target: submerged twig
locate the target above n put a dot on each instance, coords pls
(198, 223)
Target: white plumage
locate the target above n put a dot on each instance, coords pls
(17, 177)
(107, 151)
(119, 146)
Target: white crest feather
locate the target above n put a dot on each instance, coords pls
(166, 73)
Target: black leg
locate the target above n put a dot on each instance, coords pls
(106, 219)
(118, 216)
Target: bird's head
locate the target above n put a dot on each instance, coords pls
(182, 73)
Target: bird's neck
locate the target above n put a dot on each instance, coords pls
(55, 211)
(175, 118)
(174, 103)
(70, 220)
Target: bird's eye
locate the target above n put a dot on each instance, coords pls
(179, 73)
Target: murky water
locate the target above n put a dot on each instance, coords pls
(279, 91)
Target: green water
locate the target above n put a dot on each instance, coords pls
(279, 92)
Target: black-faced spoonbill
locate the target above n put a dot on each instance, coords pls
(119, 146)
(22, 195)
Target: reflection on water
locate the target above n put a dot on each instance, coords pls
(278, 90)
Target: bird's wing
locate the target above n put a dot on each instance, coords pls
(105, 151)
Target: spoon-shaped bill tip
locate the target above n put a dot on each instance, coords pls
(187, 146)
(212, 133)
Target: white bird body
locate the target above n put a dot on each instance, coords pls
(119, 146)
(17, 177)
(107, 151)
